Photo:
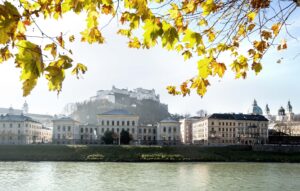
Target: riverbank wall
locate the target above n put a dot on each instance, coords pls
(130, 153)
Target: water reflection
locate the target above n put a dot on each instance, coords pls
(46, 176)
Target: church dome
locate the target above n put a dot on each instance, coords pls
(281, 111)
(255, 109)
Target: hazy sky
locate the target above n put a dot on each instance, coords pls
(114, 64)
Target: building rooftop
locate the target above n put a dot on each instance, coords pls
(168, 120)
(233, 116)
(64, 118)
(16, 118)
(117, 112)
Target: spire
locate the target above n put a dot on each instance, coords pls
(254, 102)
(267, 110)
(289, 107)
(25, 108)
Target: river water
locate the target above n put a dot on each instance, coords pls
(77, 176)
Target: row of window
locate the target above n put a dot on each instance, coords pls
(145, 130)
(240, 124)
(169, 129)
(117, 123)
(19, 125)
(95, 130)
(63, 128)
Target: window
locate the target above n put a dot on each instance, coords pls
(96, 130)
(19, 132)
(226, 124)
(140, 130)
(132, 130)
(91, 130)
(58, 128)
(58, 136)
(10, 125)
(102, 130)
(117, 129)
(69, 128)
(128, 123)
(123, 123)
(86, 130)
(154, 130)
(118, 123)
(64, 128)
(174, 129)
(169, 129)
(212, 123)
(164, 129)
(19, 125)
(112, 123)
(133, 123)
(145, 130)
(107, 123)
(102, 122)
(81, 130)
(212, 129)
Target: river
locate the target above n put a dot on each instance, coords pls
(77, 176)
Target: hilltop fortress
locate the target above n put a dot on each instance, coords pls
(116, 95)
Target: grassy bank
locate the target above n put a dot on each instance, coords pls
(140, 154)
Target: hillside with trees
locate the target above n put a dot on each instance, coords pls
(149, 111)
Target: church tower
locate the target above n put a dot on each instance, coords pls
(25, 108)
(290, 114)
(267, 110)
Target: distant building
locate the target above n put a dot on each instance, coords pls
(186, 129)
(46, 120)
(117, 120)
(138, 93)
(65, 131)
(255, 109)
(231, 129)
(168, 132)
(21, 129)
(89, 134)
(147, 135)
(283, 122)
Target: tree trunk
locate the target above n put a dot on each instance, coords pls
(297, 2)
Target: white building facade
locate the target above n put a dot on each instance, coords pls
(186, 129)
(65, 131)
(20, 129)
(231, 129)
(116, 121)
(168, 132)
